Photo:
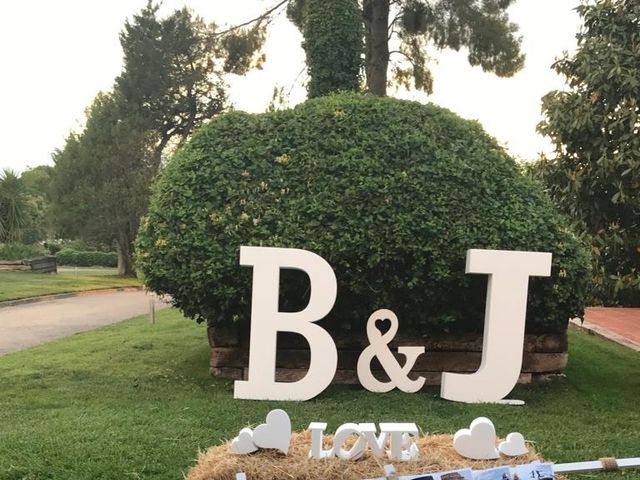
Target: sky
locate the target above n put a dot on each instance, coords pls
(57, 55)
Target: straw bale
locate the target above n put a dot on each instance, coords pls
(436, 455)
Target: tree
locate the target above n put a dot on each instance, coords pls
(595, 174)
(480, 26)
(13, 206)
(36, 181)
(169, 86)
(100, 185)
(170, 78)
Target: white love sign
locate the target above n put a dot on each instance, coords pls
(503, 339)
(399, 437)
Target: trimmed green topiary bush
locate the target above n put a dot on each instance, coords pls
(391, 193)
(75, 258)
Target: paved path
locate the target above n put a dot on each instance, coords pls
(27, 325)
(621, 325)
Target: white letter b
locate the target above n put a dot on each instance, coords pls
(267, 321)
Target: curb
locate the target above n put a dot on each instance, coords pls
(57, 296)
(601, 332)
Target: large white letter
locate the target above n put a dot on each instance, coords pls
(504, 323)
(267, 321)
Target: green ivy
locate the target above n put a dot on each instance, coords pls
(391, 193)
(333, 42)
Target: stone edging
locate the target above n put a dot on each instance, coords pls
(56, 296)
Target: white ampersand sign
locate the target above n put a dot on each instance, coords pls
(379, 347)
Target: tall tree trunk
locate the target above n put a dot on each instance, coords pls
(125, 255)
(376, 25)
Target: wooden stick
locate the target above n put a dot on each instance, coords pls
(579, 467)
(576, 467)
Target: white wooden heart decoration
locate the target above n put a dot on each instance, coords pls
(513, 446)
(276, 433)
(243, 443)
(477, 442)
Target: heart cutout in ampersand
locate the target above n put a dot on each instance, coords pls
(477, 442)
(243, 443)
(276, 433)
(383, 325)
(513, 446)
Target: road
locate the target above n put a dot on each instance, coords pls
(31, 324)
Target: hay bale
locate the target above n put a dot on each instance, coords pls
(436, 455)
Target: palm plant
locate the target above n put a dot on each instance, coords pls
(13, 206)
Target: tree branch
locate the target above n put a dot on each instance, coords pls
(395, 19)
(249, 22)
(406, 55)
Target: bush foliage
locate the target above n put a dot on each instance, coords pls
(594, 176)
(391, 193)
(75, 258)
(20, 251)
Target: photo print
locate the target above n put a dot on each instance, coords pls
(498, 473)
(535, 471)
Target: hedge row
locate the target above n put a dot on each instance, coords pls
(68, 256)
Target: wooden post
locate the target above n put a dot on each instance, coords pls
(152, 308)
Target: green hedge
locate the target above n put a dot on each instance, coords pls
(20, 251)
(391, 193)
(68, 256)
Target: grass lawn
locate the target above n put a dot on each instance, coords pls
(135, 401)
(16, 285)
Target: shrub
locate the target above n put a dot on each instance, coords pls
(20, 251)
(52, 247)
(391, 193)
(68, 256)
